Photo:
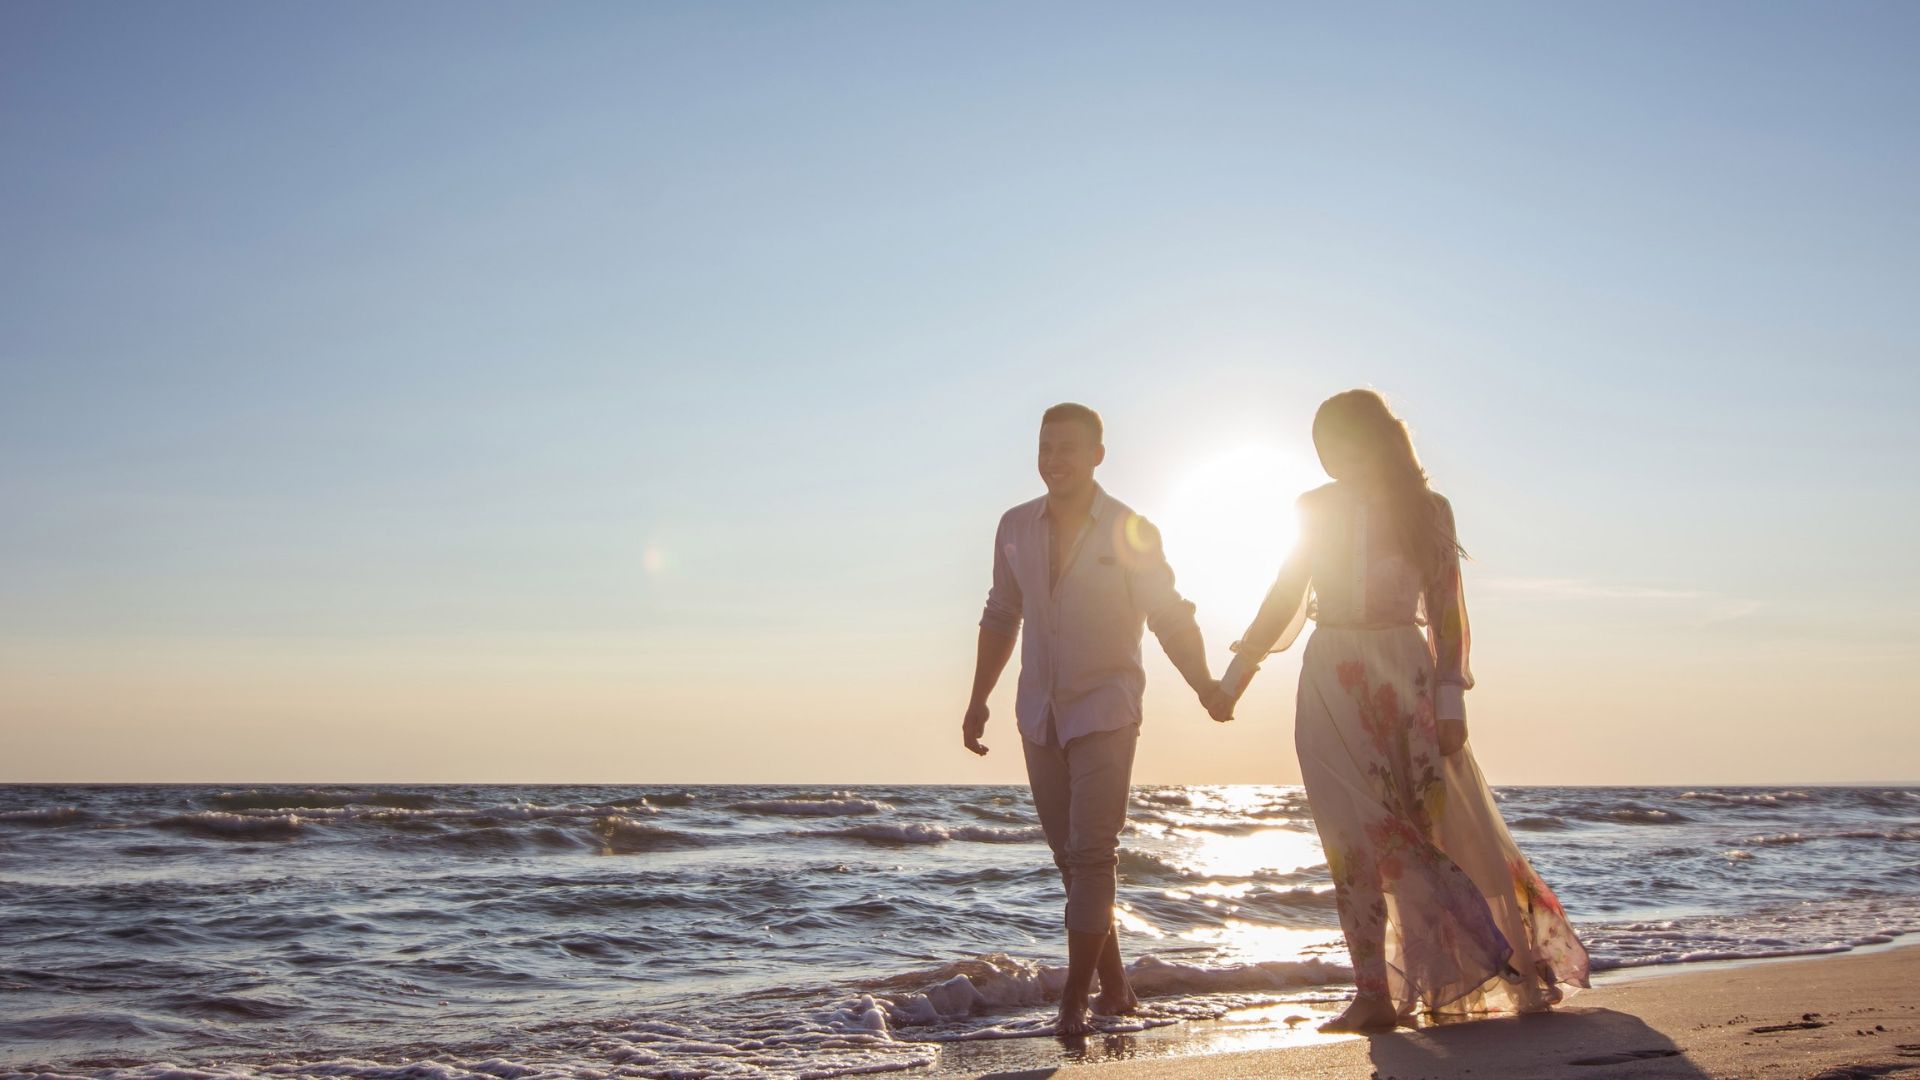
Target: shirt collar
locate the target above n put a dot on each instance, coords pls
(1096, 509)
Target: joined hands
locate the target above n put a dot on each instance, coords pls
(1217, 701)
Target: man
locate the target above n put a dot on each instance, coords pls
(1083, 572)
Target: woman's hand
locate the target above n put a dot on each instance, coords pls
(1453, 736)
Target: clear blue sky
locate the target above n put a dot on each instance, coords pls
(441, 391)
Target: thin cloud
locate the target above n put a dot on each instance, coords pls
(1719, 609)
(1577, 589)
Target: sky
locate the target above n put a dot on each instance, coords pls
(628, 392)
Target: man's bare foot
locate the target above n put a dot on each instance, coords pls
(1073, 1020)
(1368, 1013)
(1123, 1003)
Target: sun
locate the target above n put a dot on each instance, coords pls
(1227, 527)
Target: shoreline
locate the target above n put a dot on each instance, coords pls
(1833, 1017)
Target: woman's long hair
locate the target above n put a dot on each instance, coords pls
(1378, 451)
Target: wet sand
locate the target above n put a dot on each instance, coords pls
(1836, 1017)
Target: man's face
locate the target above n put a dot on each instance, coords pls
(1068, 455)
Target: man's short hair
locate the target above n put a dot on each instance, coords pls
(1068, 410)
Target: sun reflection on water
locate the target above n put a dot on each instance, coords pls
(1268, 852)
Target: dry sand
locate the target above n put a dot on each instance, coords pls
(1834, 1017)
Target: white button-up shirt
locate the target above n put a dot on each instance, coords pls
(1080, 653)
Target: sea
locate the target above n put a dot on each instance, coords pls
(422, 932)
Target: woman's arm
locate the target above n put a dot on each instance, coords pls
(1448, 635)
(1281, 615)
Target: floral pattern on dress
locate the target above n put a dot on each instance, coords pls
(1422, 928)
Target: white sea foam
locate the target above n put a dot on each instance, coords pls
(998, 981)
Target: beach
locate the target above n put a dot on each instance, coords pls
(1830, 1017)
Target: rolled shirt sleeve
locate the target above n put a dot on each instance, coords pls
(1002, 613)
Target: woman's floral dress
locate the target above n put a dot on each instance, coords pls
(1441, 911)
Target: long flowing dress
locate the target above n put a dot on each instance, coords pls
(1441, 912)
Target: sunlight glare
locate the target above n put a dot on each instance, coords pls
(1229, 525)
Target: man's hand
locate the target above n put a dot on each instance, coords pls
(1219, 704)
(974, 726)
(1453, 736)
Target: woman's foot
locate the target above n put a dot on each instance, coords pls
(1367, 1013)
(1543, 999)
(1121, 1003)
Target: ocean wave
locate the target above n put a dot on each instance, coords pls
(922, 833)
(1747, 798)
(1895, 834)
(1539, 823)
(1897, 800)
(988, 813)
(625, 836)
(225, 825)
(1287, 901)
(1286, 812)
(1136, 865)
(998, 981)
(502, 838)
(51, 815)
(1154, 975)
(217, 1006)
(1636, 814)
(1802, 928)
(490, 815)
(805, 807)
(1226, 827)
(317, 798)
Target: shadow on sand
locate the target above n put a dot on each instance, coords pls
(1572, 1042)
(1576, 1043)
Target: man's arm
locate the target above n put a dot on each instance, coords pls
(1169, 615)
(999, 629)
(990, 660)
(1189, 655)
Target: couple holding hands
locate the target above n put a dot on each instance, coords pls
(1441, 912)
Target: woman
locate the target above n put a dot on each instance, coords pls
(1441, 911)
